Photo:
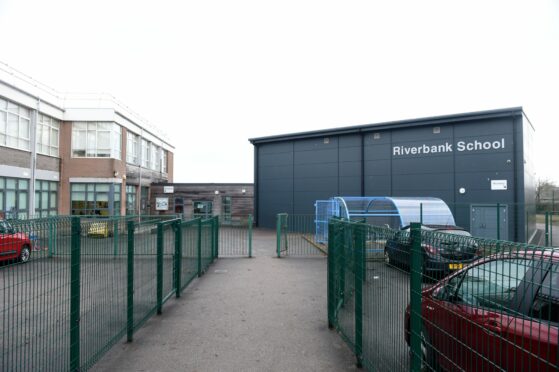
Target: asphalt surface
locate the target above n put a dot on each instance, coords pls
(259, 314)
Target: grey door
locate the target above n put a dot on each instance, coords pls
(484, 221)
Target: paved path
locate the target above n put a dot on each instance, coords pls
(259, 314)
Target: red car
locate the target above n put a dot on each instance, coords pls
(499, 313)
(13, 245)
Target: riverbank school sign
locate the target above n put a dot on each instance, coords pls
(461, 146)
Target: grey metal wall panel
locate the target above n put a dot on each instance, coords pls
(377, 167)
(423, 165)
(304, 170)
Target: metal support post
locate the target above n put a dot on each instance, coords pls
(250, 236)
(159, 267)
(199, 247)
(178, 257)
(359, 269)
(416, 274)
(130, 284)
(75, 261)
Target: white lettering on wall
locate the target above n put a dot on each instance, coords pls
(461, 146)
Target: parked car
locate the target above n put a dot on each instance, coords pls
(13, 245)
(441, 255)
(499, 314)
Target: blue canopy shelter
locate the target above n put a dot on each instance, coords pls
(395, 212)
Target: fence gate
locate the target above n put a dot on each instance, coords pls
(296, 236)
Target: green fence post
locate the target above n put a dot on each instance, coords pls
(330, 298)
(216, 237)
(115, 237)
(250, 236)
(498, 221)
(178, 257)
(551, 229)
(278, 235)
(75, 261)
(51, 240)
(547, 229)
(416, 273)
(359, 269)
(159, 267)
(130, 284)
(421, 213)
(199, 247)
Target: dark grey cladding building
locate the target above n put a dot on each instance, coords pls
(473, 161)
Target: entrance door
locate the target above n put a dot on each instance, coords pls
(202, 209)
(484, 221)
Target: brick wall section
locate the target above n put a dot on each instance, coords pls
(82, 167)
(241, 204)
(15, 158)
(48, 163)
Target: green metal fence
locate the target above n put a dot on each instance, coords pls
(439, 300)
(295, 236)
(85, 286)
(551, 229)
(236, 238)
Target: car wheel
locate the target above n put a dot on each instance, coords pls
(428, 361)
(24, 254)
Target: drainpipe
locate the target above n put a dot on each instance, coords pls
(33, 162)
(139, 192)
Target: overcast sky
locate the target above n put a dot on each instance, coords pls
(212, 74)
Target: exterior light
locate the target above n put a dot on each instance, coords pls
(462, 190)
(244, 191)
(216, 192)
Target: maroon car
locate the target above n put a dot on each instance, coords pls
(500, 313)
(13, 245)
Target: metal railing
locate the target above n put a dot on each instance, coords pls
(70, 289)
(295, 236)
(442, 301)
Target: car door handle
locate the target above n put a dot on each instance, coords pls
(491, 326)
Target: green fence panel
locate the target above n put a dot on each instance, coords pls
(295, 236)
(77, 285)
(190, 252)
(442, 300)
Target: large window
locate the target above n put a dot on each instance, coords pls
(132, 148)
(96, 140)
(202, 209)
(145, 153)
(95, 199)
(131, 206)
(48, 130)
(46, 198)
(14, 125)
(153, 156)
(14, 197)
(163, 161)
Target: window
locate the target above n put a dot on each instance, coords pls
(14, 125)
(153, 156)
(546, 303)
(100, 199)
(96, 140)
(131, 200)
(226, 208)
(46, 198)
(48, 130)
(163, 161)
(14, 195)
(132, 149)
(145, 153)
(202, 209)
(493, 284)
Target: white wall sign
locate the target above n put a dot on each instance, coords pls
(168, 189)
(461, 146)
(161, 204)
(498, 184)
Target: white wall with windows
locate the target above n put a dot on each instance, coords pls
(48, 135)
(96, 140)
(149, 154)
(15, 124)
